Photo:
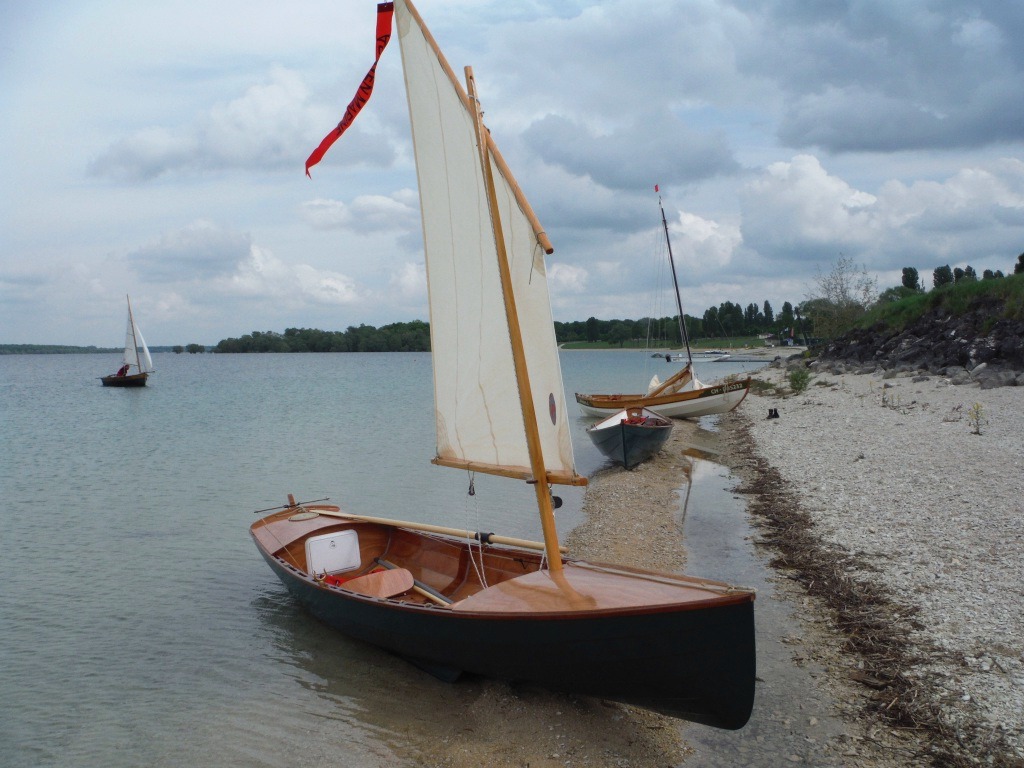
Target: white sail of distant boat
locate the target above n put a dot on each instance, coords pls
(136, 364)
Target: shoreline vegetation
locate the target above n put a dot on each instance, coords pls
(993, 302)
(732, 344)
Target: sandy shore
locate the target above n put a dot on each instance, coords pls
(896, 531)
(908, 525)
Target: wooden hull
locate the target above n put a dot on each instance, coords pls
(630, 436)
(674, 644)
(135, 380)
(717, 398)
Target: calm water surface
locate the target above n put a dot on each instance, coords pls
(138, 624)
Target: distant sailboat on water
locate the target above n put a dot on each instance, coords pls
(136, 365)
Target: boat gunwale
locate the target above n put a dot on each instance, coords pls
(719, 601)
(622, 402)
(729, 595)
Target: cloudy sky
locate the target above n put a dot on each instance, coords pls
(157, 149)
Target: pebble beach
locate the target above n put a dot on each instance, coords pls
(911, 489)
(891, 509)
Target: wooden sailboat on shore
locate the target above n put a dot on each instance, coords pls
(682, 395)
(631, 435)
(456, 601)
(136, 365)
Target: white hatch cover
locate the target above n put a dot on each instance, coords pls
(333, 552)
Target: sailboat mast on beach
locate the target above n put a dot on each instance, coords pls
(457, 602)
(682, 395)
(683, 335)
(136, 364)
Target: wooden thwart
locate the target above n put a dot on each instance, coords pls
(386, 583)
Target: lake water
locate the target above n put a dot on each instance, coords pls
(138, 624)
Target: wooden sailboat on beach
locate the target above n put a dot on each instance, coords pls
(136, 365)
(682, 395)
(455, 601)
(631, 435)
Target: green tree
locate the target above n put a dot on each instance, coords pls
(911, 279)
(769, 315)
(942, 276)
(1018, 268)
(618, 333)
(711, 323)
(786, 316)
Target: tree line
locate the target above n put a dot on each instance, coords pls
(725, 320)
(396, 337)
(841, 298)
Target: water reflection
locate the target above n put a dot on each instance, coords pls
(792, 718)
(354, 696)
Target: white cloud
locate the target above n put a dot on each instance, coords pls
(196, 252)
(272, 125)
(151, 153)
(566, 279)
(366, 213)
(706, 245)
(796, 207)
(410, 281)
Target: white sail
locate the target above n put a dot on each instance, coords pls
(131, 355)
(145, 361)
(478, 414)
(136, 353)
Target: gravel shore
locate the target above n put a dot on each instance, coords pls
(899, 502)
(896, 532)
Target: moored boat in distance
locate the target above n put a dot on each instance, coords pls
(454, 601)
(682, 395)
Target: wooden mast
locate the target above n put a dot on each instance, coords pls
(675, 284)
(540, 480)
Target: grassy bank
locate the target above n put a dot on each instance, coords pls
(954, 300)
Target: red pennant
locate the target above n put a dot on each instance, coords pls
(384, 13)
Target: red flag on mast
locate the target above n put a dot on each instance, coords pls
(384, 13)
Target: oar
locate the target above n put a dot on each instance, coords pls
(486, 538)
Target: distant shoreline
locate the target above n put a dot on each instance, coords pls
(54, 349)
